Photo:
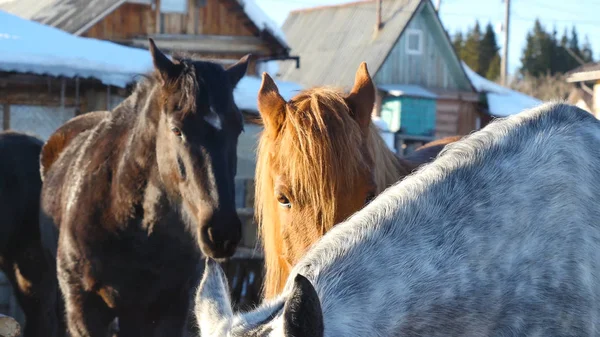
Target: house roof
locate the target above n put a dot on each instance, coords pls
(332, 41)
(30, 47)
(407, 90)
(77, 16)
(72, 16)
(501, 101)
(584, 73)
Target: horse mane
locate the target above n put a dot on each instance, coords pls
(388, 167)
(321, 151)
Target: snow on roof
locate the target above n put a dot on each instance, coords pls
(31, 47)
(407, 90)
(246, 92)
(262, 20)
(502, 101)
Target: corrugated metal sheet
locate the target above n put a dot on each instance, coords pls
(333, 41)
(68, 15)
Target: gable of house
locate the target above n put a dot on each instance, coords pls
(332, 41)
(423, 55)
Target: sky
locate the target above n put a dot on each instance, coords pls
(461, 15)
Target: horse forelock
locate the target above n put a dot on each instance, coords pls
(320, 149)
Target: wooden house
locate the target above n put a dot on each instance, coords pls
(588, 97)
(224, 30)
(423, 91)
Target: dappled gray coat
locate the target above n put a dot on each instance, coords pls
(499, 236)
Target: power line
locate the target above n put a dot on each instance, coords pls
(459, 14)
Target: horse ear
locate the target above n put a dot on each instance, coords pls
(238, 70)
(302, 313)
(212, 304)
(362, 97)
(270, 103)
(166, 69)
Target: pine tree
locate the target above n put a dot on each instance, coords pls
(587, 54)
(458, 42)
(574, 42)
(563, 60)
(493, 72)
(488, 52)
(537, 55)
(471, 49)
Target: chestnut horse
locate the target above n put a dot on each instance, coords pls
(320, 159)
(135, 195)
(21, 250)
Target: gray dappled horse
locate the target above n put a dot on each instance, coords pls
(499, 236)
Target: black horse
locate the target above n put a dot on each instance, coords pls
(129, 197)
(21, 252)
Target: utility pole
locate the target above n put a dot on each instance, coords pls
(437, 5)
(504, 64)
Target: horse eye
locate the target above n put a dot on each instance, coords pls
(369, 198)
(176, 131)
(284, 201)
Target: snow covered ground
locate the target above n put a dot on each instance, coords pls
(502, 101)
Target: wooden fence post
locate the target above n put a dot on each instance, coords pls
(9, 327)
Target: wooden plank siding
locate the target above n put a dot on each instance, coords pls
(133, 20)
(429, 69)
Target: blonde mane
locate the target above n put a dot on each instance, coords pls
(320, 147)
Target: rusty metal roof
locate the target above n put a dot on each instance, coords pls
(332, 41)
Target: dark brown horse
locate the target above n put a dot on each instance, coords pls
(130, 195)
(21, 250)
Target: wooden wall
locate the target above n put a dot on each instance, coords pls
(435, 67)
(125, 22)
(456, 117)
(131, 20)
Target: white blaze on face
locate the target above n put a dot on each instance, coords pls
(213, 119)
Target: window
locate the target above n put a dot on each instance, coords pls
(173, 6)
(414, 42)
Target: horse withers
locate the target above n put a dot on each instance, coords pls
(21, 250)
(499, 236)
(320, 159)
(132, 195)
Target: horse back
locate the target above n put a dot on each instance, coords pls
(20, 186)
(52, 190)
(63, 136)
(428, 152)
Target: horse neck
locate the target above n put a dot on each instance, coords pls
(388, 167)
(135, 161)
